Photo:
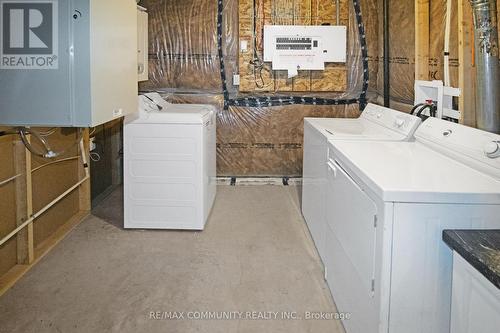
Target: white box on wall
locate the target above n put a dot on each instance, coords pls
(302, 47)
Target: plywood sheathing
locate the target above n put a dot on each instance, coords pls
(334, 77)
(286, 12)
(303, 12)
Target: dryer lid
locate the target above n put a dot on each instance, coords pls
(413, 172)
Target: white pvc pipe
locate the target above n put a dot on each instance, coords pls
(3, 182)
(84, 158)
(447, 33)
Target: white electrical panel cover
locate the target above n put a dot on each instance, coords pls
(77, 68)
(301, 47)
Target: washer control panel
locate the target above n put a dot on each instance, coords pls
(401, 122)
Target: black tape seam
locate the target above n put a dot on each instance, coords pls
(291, 100)
(239, 145)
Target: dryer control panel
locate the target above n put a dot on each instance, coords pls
(470, 146)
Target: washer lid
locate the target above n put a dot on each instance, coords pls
(153, 109)
(352, 129)
(413, 172)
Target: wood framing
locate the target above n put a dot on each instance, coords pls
(31, 245)
(422, 42)
(29, 205)
(466, 67)
(466, 70)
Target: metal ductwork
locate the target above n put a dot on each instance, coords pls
(487, 65)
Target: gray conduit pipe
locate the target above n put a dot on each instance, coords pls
(487, 65)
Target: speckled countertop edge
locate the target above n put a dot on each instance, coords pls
(480, 248)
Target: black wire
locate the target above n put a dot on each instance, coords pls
(433, 110)
(422, 109)
(415, 108)
(290, 100)
(158, 106)
(220, 8)
(257, 63)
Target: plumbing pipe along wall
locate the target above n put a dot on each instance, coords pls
(487, 65)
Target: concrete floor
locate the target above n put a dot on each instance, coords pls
(254, 255)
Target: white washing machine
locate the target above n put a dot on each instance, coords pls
(169, 165)
(375, 123)
(388, 203)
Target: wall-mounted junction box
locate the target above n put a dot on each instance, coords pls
(300, 47)
(69, 63)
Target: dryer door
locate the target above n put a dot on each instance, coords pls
(350, 244)
(351, 215)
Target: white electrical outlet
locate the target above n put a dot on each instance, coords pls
(236, 79)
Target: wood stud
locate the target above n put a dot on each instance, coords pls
(29, 253)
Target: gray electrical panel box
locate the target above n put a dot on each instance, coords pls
(68, 63)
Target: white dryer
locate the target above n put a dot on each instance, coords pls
(375, 123)
(388, 203)
(169, 165)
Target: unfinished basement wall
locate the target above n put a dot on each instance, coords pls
(252, 141)
(37, 182)
(402, 48)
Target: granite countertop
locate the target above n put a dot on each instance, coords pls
(480, 248)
